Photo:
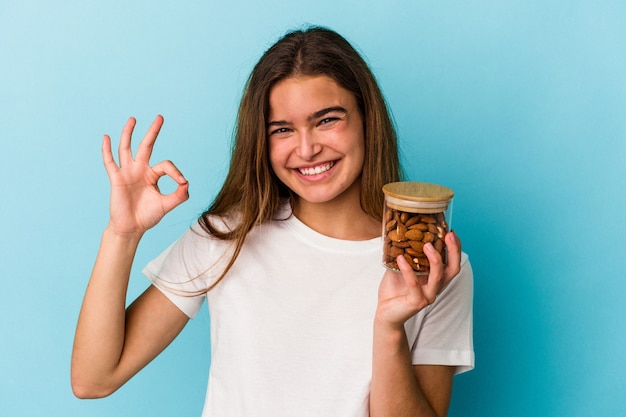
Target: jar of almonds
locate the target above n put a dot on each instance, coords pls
(415, 213)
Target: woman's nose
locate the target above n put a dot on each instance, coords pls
(308, 146)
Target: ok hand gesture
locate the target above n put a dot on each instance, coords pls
(137, 204)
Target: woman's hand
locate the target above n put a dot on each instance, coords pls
(402, 295)
(137, 204)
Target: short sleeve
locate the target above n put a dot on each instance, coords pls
(187, 268)
(445, 336)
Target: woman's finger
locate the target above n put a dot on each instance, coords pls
(453, 245)
(107, 156)
(181, 193)
(124, 150)
(415, 295)
(144, 152)
(177, 197)
(168, 168)
(435, 277)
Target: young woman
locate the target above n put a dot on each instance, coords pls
(305, 321)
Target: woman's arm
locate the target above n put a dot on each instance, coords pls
(113, 343)
(398, 387)
(402, 389)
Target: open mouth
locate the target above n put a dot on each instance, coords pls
(317, 169)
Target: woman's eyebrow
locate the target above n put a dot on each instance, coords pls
(316, 115)
(323, 112)
(278, 123)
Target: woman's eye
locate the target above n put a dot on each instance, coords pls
(328, 120)
(279, 131)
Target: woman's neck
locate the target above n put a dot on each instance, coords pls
(341, 219)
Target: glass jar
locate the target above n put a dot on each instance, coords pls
(415, 213)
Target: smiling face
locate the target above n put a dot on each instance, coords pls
(316, 140)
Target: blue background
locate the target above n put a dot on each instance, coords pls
(518, 106)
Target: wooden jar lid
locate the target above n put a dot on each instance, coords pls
(417, 197)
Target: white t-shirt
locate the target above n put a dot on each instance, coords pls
(291, 323)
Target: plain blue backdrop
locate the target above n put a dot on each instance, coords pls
(519, 106)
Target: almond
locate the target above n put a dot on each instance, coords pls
(419, 226)
(414, 252)
(412, 262)
(422, 261)
(393, 236)
(394, 252)
(412, 221)
(413, 234)
(417, 245)
(403, 245)
(401, 229)
(428, 237)
(388, 214)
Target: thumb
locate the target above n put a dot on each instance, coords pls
(178, 196)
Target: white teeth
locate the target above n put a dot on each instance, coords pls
(316, 170)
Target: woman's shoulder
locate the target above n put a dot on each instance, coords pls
(222, 223)
(225, 223)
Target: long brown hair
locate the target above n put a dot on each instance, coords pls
(251, 190)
